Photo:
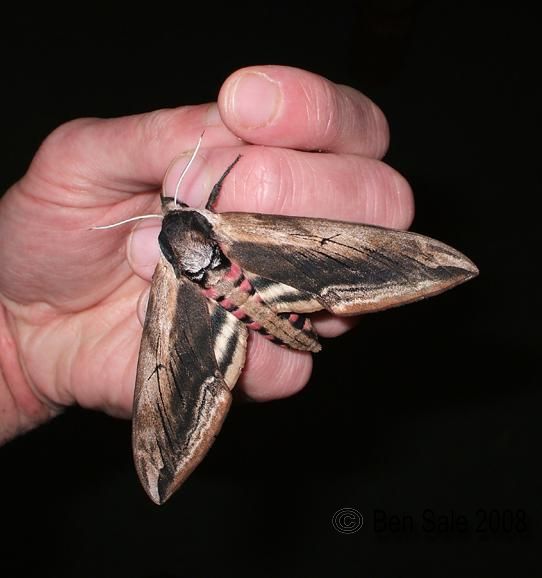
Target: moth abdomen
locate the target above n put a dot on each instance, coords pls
(235, 292)
(289, 329)
(298, 321)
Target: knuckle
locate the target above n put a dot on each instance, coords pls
(71, 140)
(155, 131)
(154, 126)
(164, 124)
(68, 135)
(164, 130)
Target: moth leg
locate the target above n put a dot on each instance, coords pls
(216, 189)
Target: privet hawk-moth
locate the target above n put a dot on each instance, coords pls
(220, 274)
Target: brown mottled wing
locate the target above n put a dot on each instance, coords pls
(347, 268)
(181, 396)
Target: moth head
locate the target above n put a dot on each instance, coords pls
(186, 242)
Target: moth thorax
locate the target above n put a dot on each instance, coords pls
(187, 243)
(198, 258)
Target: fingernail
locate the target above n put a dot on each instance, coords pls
(142, 304)
(255, 99)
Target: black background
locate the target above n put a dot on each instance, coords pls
(433, 407)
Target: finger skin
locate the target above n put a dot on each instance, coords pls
(273, 372)
(127, 154)
(276, 180)
(304, 111)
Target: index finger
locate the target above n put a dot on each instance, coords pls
(293, 108)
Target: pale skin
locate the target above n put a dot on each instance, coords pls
(69, 332)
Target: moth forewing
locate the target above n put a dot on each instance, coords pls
(180, 398)
(349, 268)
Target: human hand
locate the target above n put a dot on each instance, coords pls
(70, 294)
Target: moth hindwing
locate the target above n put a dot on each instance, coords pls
(221, 274)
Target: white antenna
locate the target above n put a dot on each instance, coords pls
(185, 170)
(131, 219)
(101, 227)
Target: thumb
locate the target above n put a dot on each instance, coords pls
(293, 108)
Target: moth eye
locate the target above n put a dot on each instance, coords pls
(194, 275)
(197, 276)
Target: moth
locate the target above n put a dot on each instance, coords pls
(223, 274)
